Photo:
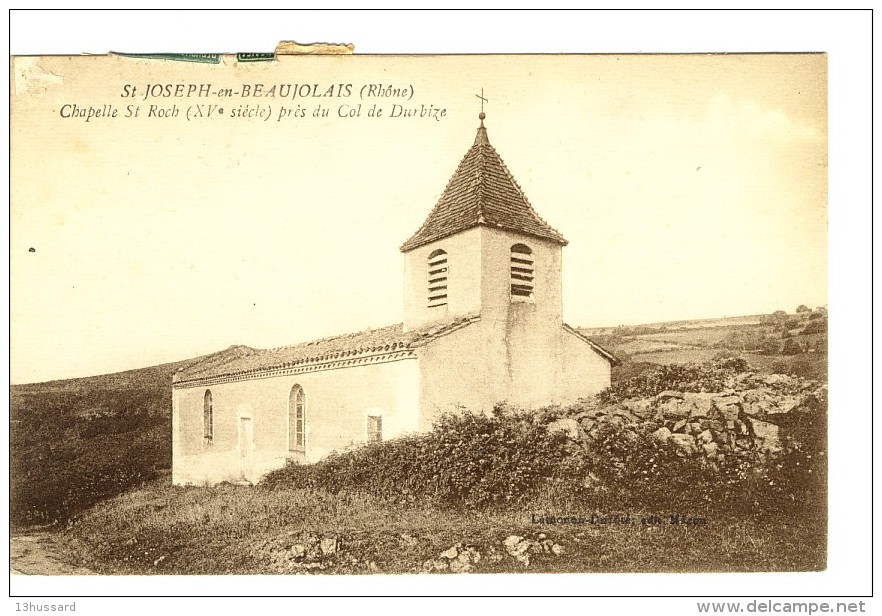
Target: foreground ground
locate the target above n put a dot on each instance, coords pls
(39, 553)
(162, 529)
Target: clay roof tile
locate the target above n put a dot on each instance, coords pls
(244, 360)
(482, 191)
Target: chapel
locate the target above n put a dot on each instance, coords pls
(482, 324)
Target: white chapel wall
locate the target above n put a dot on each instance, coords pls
(336, 405)
(582, 372)
(459, 370)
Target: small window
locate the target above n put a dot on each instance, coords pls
(296, 419)
(207, 418)
(374, 428)
(437, 287)
(521, 271)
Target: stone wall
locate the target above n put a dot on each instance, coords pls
(745, 416)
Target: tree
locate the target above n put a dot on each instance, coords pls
(803, 308)
(776, 317)
(791, 347)
(816, 327)
(769, 346)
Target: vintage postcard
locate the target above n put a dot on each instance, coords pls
(327, 314)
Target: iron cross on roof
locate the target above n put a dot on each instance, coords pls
(481, 115)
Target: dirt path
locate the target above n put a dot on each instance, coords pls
(37, 553)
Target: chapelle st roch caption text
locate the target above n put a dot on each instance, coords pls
(258, 101)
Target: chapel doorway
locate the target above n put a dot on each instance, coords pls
(246, 447)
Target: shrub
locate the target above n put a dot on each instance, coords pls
(748, 340)
(510, 459)
(791, 347)
(708, 377)
(630, 369)
(798, 477)
(468, 459)
(816, 327)
(805, 366)
(630, 471)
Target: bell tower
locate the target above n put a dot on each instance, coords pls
(483, 250)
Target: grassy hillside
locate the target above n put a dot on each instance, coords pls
(777, 343)
(74, 442)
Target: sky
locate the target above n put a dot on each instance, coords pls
(691, 186)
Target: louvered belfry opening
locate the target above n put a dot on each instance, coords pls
(521, 271)
(437, 285)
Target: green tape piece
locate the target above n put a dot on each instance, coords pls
(202, 58)
(255, 57)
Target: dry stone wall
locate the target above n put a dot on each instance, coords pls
(745, 416)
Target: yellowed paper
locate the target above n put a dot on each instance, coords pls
(265, 214)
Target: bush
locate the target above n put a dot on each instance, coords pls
(511, 459)
(630, 369)
(805, 366)
(754, 339)
(791, 347)
(708, 377)
(776, 318)
(468, 460)
(798, 477)
(630, 471)
(816, 327)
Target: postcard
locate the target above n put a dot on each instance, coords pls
(323, 314)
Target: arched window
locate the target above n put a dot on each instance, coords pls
(296, 419)
(521, 271)
(437, 278)
(207, 418)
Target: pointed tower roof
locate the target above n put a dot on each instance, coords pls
(482, 191)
